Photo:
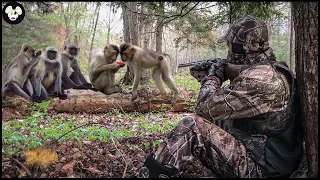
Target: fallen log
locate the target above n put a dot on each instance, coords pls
(96, 102)
(15, 107)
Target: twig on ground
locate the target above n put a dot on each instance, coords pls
(126, 164)
(89, 123)
(20, 163)
(23, 166)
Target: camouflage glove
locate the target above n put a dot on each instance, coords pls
(200, 71)
(217, 69)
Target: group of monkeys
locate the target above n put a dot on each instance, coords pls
(40, 75)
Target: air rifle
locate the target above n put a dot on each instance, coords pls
(206, 63)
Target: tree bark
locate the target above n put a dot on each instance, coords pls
(291, 51)
(142, 19)
(142, 42)
(305, 17)
(66, 23)
(135, 24)
(159, 30)
(109, 26)
(93, 102)
(126, 25)
(128, 77)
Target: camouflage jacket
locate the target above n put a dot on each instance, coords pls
(257, 92)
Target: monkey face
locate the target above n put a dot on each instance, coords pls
(30, 53)
(126, 52)
(73, 51)
(126, 55)
(111, 52)
(113, 57)
(51, 54)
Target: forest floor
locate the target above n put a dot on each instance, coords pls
(84, 158)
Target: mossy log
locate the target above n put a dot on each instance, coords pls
(96, 102)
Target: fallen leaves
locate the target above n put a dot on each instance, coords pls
(95, 159)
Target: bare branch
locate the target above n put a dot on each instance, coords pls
(177, 16)
(205, 7)
(136, 12)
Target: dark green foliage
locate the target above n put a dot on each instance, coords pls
(32, 30)
(228, 12)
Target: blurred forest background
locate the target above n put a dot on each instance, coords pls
(186, 30)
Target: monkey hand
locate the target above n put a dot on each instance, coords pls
(199, 75)
(217, 69)
(199, 71)
(62, 96)
(121, 64)
(94, 89)
(36, 99)
(87, 86)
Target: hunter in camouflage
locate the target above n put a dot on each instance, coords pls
(261, 136)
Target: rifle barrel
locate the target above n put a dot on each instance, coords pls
(185, 65)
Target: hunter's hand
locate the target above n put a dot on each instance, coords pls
(217, 69)
(199, 71)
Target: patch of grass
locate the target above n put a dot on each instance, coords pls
(185, 80)
(34, 131)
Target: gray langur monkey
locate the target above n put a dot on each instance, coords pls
(75, 80)
(45, 76)
(102, 69)
(139, 59)
(15, 77)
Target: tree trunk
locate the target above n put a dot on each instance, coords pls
(94, 29)
(126, 25)
(135, 24)
(126, 15)
(176, 59)
(291, 51)
(159, 30)
(305, 17)
(91, 24)
(93, 102)
(109, 26)
(66, 24)
(146, 72)
(142, 19)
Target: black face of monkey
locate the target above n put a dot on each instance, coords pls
(51, 54)
(73, 51)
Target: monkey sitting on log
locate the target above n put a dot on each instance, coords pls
(15, 77)
(45, 75)
(139, 59)
(75, 80)
(102, 69)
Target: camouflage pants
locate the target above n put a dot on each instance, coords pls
(195, 137)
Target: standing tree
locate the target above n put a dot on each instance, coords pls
(97, 11)
(305, 17)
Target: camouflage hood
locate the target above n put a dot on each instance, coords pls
(253, 58)
(248, 38)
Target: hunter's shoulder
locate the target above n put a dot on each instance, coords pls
(261, 77)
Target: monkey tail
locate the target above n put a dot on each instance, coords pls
(168, 57)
